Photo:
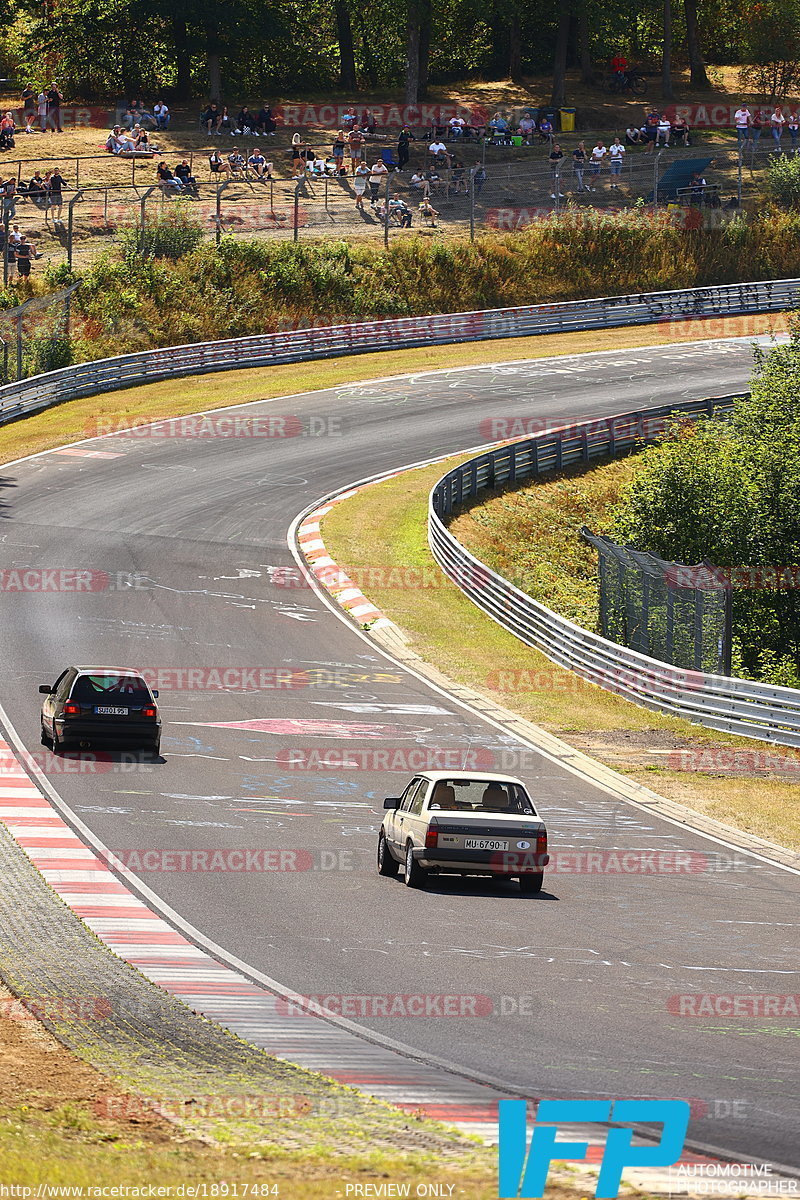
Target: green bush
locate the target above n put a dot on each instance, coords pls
(783, 181)
(172, 234)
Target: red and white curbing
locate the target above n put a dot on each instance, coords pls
(330, 575)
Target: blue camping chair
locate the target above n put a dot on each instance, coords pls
(387, 154)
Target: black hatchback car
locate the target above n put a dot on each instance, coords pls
(100, 706)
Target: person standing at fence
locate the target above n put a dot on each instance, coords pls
(377, 177)
(579, 164)
(777, 122)
(756, 125)
(9, 194)
(555, 158)
(742, 120)
(360, 184)
(337, 150)
(793, 125)
(57, 183)
(402, 148)
(356, 142)
(616, 156)
(28, 98)
(54, 99)
(24, 253)
(596, 159)
(41, 111)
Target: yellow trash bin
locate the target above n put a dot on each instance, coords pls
(568, 120)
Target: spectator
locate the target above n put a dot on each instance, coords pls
(217, 164)
(651, 123)
(742, 120)
(167, 181)
(226, 124)
(545, 130)
(211, 117)
(370, 123)
(793, 125)
(54, 99)
(680, 130)
(37, 193)
(360, 177)
(619, 65)
(478, 180)
(355, 141)
(24, 253)
(579, 164)
(9, 197)
(246, 122)
(421, 183)
(401, 213)
(664, 129)
(402, 148)
(41, 109)
(117, 142)
(57, 183)
(633, 136)
(756, 125)
(259, 165)
(28, 98)
(777, 121)
(498, 125)
(596, 162)
(349, 118)
(236, 164)
(456, 127)
(697, 185)
(7, 128)
(161, 115)
(265, 122)
(428, 212)
(183, 172)
(458, 176)
(555, 157)
(338, 148)
(438, 153)
(377, 176)
(141, 139)
(526, 128)
(616, 155)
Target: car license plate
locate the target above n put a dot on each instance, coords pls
(110, 711)
(485, 844)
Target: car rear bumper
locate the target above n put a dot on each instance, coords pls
(140, 733)
(481, 862)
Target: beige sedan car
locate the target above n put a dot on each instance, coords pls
(465, 823)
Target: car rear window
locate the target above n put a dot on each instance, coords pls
(482, 796)
(123, 689)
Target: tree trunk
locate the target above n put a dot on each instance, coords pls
(183, 85)
(515, 46)
(559, 95)
(666, 58)
(696, 62)
(412, 54)
(214, 78)
(347, 58)
(584, 52)
(424, 46)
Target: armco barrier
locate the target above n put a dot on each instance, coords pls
(754, 710)
(148, 366)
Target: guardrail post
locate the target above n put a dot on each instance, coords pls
(70, 209)
(142, 203)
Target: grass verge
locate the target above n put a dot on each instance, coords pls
(78, 419)
(734, 780)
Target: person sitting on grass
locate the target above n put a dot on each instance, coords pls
(210, 118)
(118, 142)
(7, 128)
(161, 114)
(183, 172)
(167, 181)
(428, 213)
(633, 136)
(246, 122)
(37, 192)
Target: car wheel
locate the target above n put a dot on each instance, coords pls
(386, 864)
(46, 740)
(413, 873)
(155, 749)
(529, 885)
(56, 743)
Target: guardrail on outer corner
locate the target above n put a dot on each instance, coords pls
(740, 706)
(148, 366)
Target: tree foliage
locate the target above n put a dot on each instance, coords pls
(729, 491)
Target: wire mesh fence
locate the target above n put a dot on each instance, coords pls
(676, 613)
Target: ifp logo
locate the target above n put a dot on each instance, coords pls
(523, 1171)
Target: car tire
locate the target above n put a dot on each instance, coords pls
(56, 743)
(531, 885)
(413, 874)
(46, 739)
(387, 865)
(155, 749)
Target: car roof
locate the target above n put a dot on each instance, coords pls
(482, 775)
(107, 670)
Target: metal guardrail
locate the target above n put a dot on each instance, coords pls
(740, 706)
(148, 366)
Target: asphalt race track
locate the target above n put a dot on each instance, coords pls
(191, 532)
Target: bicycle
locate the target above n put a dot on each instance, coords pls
(631, 82)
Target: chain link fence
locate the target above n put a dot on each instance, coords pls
(669, 611)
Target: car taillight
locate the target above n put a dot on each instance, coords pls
(72, 710)
(149, 711)
(431, 839)
(541, 842)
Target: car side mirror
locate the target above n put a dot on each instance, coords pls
(155, 693)
(45, 689)
(392, 801)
